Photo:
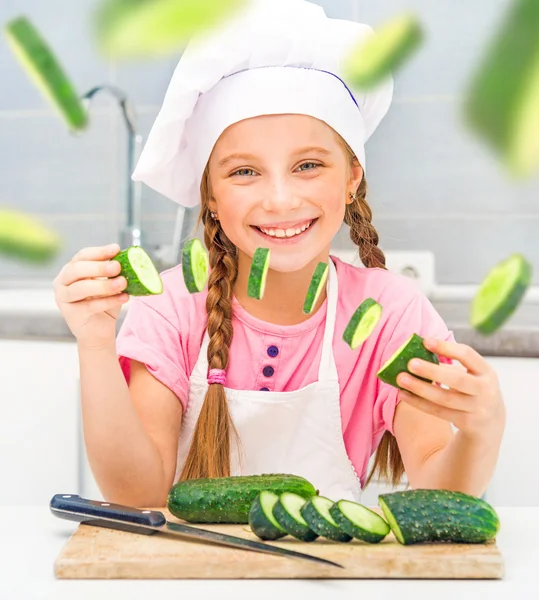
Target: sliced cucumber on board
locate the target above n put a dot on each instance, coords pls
(261, 520)
(142, 277)
(316, 511)
(195, 265)
(44, 69)
(375, 58)
(229, 499)
(500, 294)
(398, 363)
(417, 516)
(316, 286)
(287, 512)
(259, 270)
(362, 323)
(24, 238)
(359, 521)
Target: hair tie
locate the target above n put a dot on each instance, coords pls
(217, 376)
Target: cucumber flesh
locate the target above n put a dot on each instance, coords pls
(142, 277)
(263, 523)
(45, 71)
(316, 511)
(500, 294)
(259, 271)
(362, 323)
(287, 512)
(398, 362)
(195, 265)
(24, 238)
(316, 286)
(359, 521)
(374, 59)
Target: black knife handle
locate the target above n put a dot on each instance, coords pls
(95, 512)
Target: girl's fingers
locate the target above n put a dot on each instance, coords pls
(453, 376)
(85, 269)
(97, 253)
(91, 288)
(442, 412)
(100, 305)
(466, 355)
(434, 393)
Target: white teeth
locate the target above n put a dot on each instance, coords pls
(281, 233)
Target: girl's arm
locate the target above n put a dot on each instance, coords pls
(131, 433)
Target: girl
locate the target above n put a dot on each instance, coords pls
(260, 128)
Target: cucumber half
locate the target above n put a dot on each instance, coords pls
(142, 277)
(398, 363)
(44, 69)
(259, 271)
(25, 238)
(374, 59)
(287, 512)
(316, 511)
(263, 523)
(359, 521)
(316, 286)
(500, 294)
(362, 323)
(195, 265)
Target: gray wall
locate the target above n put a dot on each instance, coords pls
(432, 185)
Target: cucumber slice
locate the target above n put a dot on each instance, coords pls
(287, 512)
(259, 271)
(362, 323)
(359, 521)
(374, 59)
(316, 511)
(142, 277)
(500, 294)
(398, 363)
(195, 265)
(25, 238)
(146, 28)
(316, 286)
(44, 69)
(263, 523)
(502, 99)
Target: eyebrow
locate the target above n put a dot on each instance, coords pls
(319, 150)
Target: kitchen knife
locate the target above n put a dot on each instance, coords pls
(148, 522)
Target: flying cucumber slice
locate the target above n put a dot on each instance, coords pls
(362, 323)
(25, 238)
(502, 98)
(316, 511)
(195, 265)
(398, 363)
(359, 521)
(316, 286)
(142, 277)
(374, 59)
(259, 271)
(263, 523)
(500, 294)
(287, 512)
(145, 28)
(44, 69)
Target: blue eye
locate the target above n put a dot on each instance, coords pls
(243, 172)
(308, 164)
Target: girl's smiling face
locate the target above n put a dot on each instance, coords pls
(281, 182)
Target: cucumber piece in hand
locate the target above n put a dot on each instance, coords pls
(316, 511)
(359, 521)
(142, 277)
(259, 271)
(316, 286)
(195, 265)
(362, 323)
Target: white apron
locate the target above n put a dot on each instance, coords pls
(297, 432)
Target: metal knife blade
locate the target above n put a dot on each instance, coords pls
(117, 516)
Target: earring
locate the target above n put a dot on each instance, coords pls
(352, 196)
(213, 214)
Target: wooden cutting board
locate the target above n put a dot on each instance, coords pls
(100, 553)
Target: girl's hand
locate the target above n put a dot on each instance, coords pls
(473, 402)
(88, 293)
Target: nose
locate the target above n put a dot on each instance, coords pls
(280, 196)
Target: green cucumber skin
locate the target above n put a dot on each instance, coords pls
(320, 526)
(291, 526)
(400, 365)
(319, 273)
(353, 530)
(260, 525)
(426, 515)
(23, 238)
(510, 304)
(134, 287)
(350, 330)
(229, 499)
(256, 273)
(188, 268)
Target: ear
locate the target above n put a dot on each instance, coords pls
(212, 205)
(356, 176)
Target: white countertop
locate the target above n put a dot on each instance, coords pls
(32, 537)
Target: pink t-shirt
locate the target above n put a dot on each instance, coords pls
(165, 333)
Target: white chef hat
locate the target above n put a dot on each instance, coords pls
(274, 57)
